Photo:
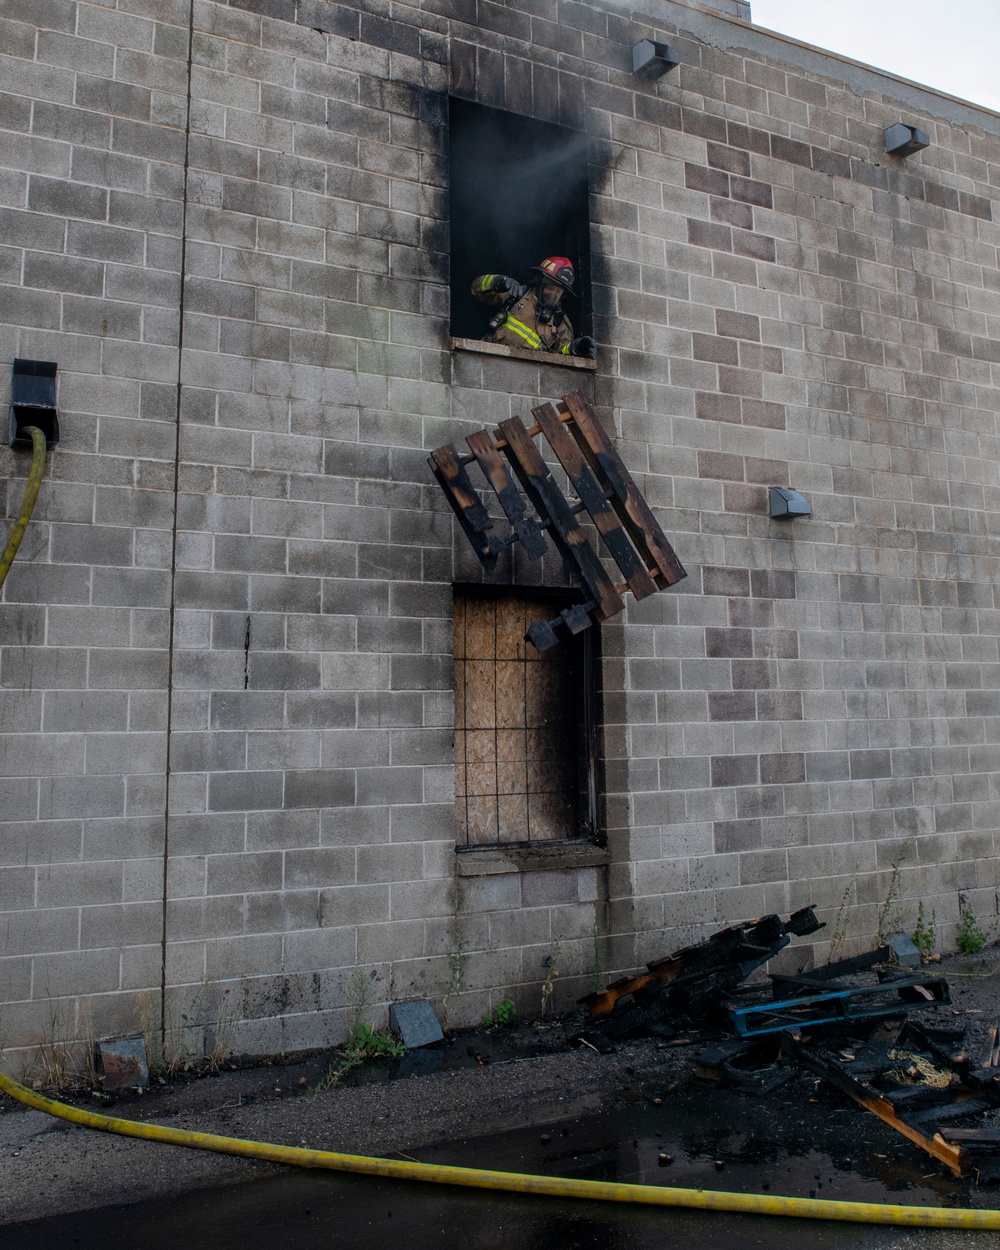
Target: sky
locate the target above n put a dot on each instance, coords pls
(953, 46)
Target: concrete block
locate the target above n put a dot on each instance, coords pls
(416, 1024)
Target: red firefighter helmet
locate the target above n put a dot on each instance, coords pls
(558, 269)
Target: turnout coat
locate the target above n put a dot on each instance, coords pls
(521, 327)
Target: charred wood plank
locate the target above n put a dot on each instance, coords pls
(951, 1155)
(635, 513)
(446, 465)
(568, 534)
(529, 531)
(594, 498)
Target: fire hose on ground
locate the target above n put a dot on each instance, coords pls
(517, 1182)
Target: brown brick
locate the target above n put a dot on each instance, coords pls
(718, 350)
(749, 137)
(737, 325)
(720, 465)
(791, 150)
(711, 181)
(731, 160)
(708, 234)
(739, 382)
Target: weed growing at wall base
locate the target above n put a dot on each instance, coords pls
(502, 1015)
(925, 932)
(972, 936)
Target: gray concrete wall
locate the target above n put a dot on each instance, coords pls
(225, 674)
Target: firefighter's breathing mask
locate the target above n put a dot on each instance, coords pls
(548, 301)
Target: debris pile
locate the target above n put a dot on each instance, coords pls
(696, 981)
(852, 1023)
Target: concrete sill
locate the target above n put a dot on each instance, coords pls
(489, 860)
(524, 353)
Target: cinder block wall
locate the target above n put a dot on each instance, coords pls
(239, 577)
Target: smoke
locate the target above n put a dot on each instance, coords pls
(518, 193)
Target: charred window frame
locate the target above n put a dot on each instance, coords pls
(518, 192)
(526, 724)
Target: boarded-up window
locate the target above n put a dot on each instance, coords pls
(523, 725)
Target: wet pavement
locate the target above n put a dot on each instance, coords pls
(693, 1136)
(521, 1100)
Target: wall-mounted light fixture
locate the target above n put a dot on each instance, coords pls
(904, 140)
(33, 401)
(653, 59)
(787, 504)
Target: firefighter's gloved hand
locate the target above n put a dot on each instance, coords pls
(502, 283)
(583, 346)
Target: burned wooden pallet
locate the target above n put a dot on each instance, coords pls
(875, 1079)
(692, 981)
(604, 490)
(824, 1065)
(826, 976)
(839, 1006)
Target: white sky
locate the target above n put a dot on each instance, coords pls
(953, 46)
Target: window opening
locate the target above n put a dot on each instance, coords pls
(525, 723)
(518, 195)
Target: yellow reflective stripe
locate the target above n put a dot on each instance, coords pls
(486, 282)
(523, 331)
(564, 350)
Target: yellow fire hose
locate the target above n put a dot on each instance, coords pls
(27, 503)
(517, 1182)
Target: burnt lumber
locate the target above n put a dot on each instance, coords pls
(839, 1006)
(814, 1060)
(788, 985)
(692, 982)
(600, 488)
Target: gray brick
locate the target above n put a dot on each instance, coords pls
(328, 866)
(61, 797)
(245, 791)
(69, 199)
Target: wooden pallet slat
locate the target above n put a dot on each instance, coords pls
(527, 530)
(594, 498)
(446, 465)
(547, 499)
(635, 513)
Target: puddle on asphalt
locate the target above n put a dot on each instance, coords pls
(714, 1139)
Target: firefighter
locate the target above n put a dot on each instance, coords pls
(532, 316)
